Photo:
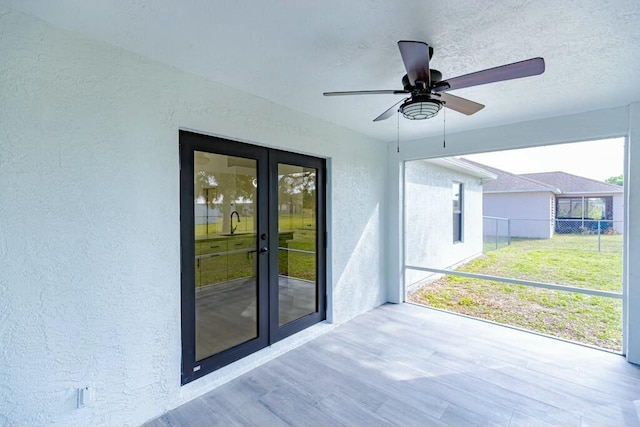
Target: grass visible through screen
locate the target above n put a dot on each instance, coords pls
(570, 260)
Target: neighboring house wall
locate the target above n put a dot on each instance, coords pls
(530, 214)
(429, 218)
(90, 223)
(578, 187)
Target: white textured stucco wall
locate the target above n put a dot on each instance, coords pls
(89, 222)
(429, 218)
(529, 213)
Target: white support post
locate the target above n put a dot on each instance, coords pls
(395, 231)
(583, 213)
(632, 243)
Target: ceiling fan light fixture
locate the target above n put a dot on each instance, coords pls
(420, 108)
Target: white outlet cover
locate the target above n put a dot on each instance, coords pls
(85, 396)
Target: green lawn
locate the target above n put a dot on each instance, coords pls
(565, 259)
(300, 265)
(297, 232)
(247, 224)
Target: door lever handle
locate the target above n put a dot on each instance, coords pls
(264, 250)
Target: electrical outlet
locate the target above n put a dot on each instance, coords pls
(85, 396)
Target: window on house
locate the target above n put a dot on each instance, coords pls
(457, 212)
(584, 208)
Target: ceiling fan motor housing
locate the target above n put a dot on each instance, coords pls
(434, 75)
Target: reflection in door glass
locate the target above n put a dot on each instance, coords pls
(297, 212)
(225, 189)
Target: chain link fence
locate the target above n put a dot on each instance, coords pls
(496, 233)
(584, 226)
(583, 234)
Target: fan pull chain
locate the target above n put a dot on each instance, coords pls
(444, 128)
(398, 116)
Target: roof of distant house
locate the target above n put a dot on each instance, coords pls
(555, 182)
(569, 183)
(507, 182)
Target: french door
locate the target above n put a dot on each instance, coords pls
(253, 249)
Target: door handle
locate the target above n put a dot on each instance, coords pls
(264, 250)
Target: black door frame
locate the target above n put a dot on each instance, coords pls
(269, 330)
(279, 332)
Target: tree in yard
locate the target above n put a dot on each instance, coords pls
(297, 190)
(616, 180)
(230, 187)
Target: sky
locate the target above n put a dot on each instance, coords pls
(597, 160)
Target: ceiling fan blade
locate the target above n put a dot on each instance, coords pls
(388, 113)
(415, 56)
(367, 92)
(529, 67)
(461, 105)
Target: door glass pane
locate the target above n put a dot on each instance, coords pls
(297, 212)
(225, 193)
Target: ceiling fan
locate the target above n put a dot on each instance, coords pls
(428, 92)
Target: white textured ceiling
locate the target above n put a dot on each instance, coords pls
(290, 51)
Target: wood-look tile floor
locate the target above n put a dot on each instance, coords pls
(408, 365)
(226, 312)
